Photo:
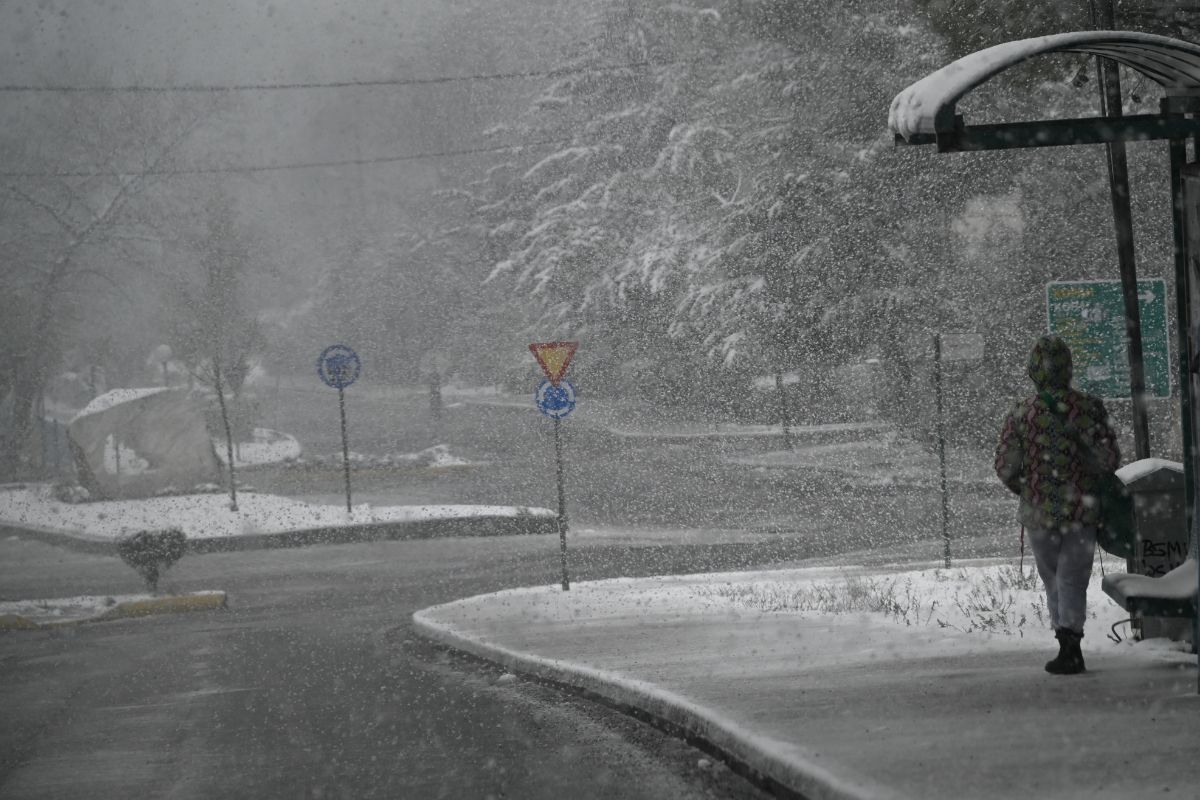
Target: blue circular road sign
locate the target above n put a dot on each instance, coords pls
(555, 401)
(338, 366)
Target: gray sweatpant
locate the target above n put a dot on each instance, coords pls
(1064, 560)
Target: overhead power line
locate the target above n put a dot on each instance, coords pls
(268, 87)
(251, 168)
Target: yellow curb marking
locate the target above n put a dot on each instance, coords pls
(15, 622)
(167, 605)
(170, 604)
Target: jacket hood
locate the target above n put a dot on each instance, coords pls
(1050, 364)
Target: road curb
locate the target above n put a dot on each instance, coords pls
(381, 531)
(15, 622)
(72, 540)
(169, 604)
(525, 525)
(754, 757)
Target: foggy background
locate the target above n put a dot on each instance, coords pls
(704, 194)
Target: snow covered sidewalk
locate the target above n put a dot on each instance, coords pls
(262, 520)
(841, 683)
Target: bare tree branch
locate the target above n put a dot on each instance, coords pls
(48, 209)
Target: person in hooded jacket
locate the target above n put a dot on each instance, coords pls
(1041, 458)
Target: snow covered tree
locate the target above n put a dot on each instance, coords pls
(970, 25)
(711, 184)
(732, 183)
(209, 328)
(70, 237)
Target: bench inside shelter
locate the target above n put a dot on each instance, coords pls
(1159, 590)
(1172, 595)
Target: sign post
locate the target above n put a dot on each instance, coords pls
(555, 398)
(949, 347)
(339, 366)
(784, 416)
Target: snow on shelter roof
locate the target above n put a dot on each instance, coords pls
(116, 397)
(928, 106)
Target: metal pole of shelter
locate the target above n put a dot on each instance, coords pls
(1189, 477)
(941, 444)
(1178, 149)
(562, 504)
(1183, 291)
(345, 445)
(1183, 324)
(1109, 77)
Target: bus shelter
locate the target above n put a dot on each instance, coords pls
(926, 113)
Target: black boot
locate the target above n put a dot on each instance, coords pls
(1069, 660)
(1055, 665)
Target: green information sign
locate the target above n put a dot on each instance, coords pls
(1090, 316)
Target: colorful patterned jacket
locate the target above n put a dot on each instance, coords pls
(1039, 459)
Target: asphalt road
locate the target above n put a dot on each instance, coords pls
(310, 685)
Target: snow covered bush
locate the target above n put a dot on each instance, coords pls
(152, 553)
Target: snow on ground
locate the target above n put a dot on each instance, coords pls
(437, 456)
(120, 459)
(991, 604)
(883, 460)
(856, 682)
(993, 599)
(385, 391)
(266, 447)
(498, 400)
(461, 390)
(207, 516)
(68, 609)
(727, 430)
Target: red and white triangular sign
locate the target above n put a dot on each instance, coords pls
(554, 357)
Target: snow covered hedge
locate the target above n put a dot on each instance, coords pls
(152, 553)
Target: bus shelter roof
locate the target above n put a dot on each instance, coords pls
(928, 107)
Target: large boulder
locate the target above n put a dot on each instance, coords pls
(139, 442)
